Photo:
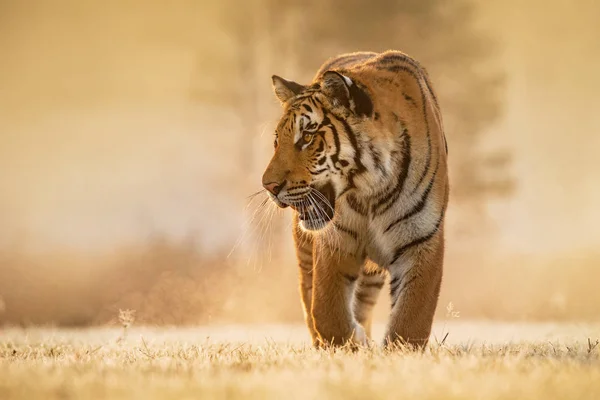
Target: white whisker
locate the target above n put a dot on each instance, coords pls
(248, 226)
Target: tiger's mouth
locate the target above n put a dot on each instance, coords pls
(317, 208)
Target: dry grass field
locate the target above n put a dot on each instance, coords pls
(134, 133)
(474, 361)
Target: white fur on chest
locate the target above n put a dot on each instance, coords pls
(374, 237)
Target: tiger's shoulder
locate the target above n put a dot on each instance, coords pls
(381, 73)
(392, 79)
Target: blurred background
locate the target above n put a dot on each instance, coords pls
(132, 134)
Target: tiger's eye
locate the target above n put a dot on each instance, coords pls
(307, 137)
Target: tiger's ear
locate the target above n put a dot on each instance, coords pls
(337, 87)
(284, 89)
(344, 92)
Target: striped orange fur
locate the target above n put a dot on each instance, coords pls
(361, 158)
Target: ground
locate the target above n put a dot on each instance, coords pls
(473, 361)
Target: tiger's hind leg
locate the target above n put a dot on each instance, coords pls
(414, 288)
(366, 293)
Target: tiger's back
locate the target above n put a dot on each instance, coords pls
(406, 121)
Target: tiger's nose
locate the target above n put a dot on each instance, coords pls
(274, 187)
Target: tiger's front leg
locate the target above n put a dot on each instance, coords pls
(334, 278)
(304, 252)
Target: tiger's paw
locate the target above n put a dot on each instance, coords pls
(355, 338)
(359, 336)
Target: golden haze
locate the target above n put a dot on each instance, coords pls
(121, 186)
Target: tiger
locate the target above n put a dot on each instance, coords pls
(360, 156)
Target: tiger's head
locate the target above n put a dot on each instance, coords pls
(317, 153)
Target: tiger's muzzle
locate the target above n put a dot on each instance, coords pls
(316, 208)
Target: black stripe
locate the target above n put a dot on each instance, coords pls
(395, 284)
(394, 68)
(418, 207)
(347, 231)
(395, 192)
(375, 272)
(357, 151)
(349, 278)
(305, 266)
(321, 146)
(406, 285)
(402, 249)
(305, 251)
(303, 260)
(336, 139)
(360, 168)
(446, 194)
(420, 71)
(307, 94)
(355, 205)
(311, 127)
(428, 83)
(378, 284)
(301, 186)
(427, 163)
(307, 107)
(317, 172)
(365, 298)
(437, 166)
(391, 58)
(410, 99)
(304, 256)
(426, 120)
(377, 158)
(344, 61)
(445, 143)
(305, 117)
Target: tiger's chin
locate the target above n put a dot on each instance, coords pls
(313, 225)
(318, 210)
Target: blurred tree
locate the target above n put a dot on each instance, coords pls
(233, 71)
(293, 39)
